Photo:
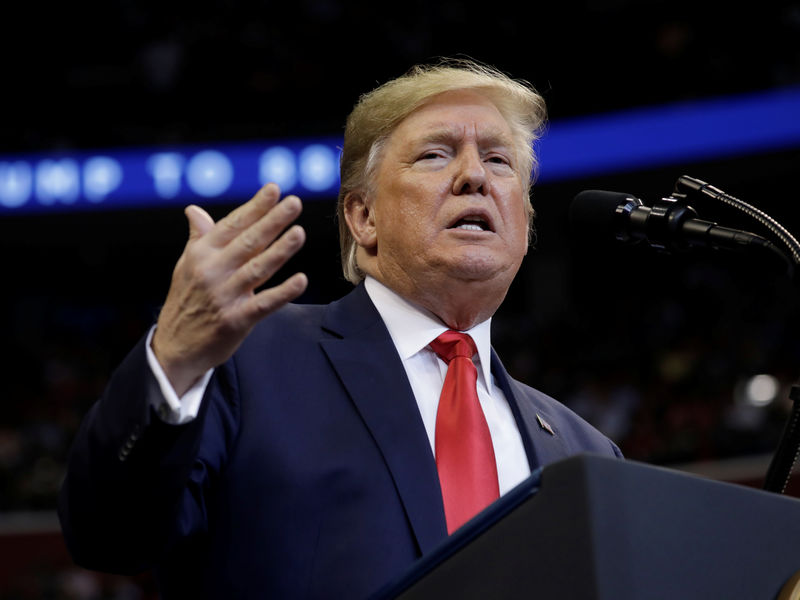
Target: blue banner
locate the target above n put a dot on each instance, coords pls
(636, 139)
(161, 177)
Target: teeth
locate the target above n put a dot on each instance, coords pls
(470, 227)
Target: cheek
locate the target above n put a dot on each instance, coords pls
(518, 227)
(398, 223)
(410, 204)
(516, 210)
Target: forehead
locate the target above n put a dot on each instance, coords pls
(455, 113)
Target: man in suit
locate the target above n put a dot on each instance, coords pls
(248, 447)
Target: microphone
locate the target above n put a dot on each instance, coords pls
(668, 225)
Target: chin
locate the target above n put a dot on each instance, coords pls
(479, 268)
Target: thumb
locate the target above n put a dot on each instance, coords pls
(200, 222)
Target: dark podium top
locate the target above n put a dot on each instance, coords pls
(591, 527)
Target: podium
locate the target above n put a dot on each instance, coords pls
(592, 527)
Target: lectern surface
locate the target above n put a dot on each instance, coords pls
(593, 527)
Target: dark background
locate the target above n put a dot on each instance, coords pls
(652, 348)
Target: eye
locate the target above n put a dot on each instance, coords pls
(498, 160)
(430, 155)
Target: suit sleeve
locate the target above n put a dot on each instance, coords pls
(135, 485)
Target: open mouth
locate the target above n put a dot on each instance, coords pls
(471, 223)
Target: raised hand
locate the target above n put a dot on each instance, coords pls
(212, 305)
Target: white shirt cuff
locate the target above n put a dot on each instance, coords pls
(170, 408)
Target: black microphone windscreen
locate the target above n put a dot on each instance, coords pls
(592, 213)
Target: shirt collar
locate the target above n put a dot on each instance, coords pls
(412, 327)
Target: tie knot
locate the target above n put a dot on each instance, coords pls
(452, 344)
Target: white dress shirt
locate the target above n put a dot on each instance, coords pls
(411, 328)
(169, 407)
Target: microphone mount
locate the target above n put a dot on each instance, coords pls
(672, 225)
(668, 225)
(788, 450)
(687, 186)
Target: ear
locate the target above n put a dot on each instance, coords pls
(360, 217)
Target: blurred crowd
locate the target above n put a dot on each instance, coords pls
(662, 375)
(657, 355)
(132, 72)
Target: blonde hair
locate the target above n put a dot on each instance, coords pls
(377, 114)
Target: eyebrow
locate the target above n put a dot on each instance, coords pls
(446, 134)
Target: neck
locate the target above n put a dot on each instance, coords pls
(459, 305)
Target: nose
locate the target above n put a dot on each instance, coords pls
(470, 177)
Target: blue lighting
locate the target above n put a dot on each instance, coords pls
(319, 168)
(674, 134)
(101, 176)
(57, 180)
(150, 177)
(209, 174)
(16, 183)
(278, 165)
(155, 177)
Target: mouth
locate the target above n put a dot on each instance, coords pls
(472, 223)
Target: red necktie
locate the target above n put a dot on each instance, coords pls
(464, 452)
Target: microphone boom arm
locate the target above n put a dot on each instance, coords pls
(788, 450)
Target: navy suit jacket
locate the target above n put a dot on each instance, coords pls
(307, 473)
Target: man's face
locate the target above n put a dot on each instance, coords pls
(449, 202)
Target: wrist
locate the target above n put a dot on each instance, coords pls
(182, 374)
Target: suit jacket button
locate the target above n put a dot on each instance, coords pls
(164, 411)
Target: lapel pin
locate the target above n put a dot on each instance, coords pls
(544, 424)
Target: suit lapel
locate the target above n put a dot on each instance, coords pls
(543, 444)
(367, 363)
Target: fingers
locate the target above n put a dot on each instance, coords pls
(245, 215)
(262, 233)
(247, 230)
(270, 300)
(264, 265)
(211, 304)
(200, 222)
